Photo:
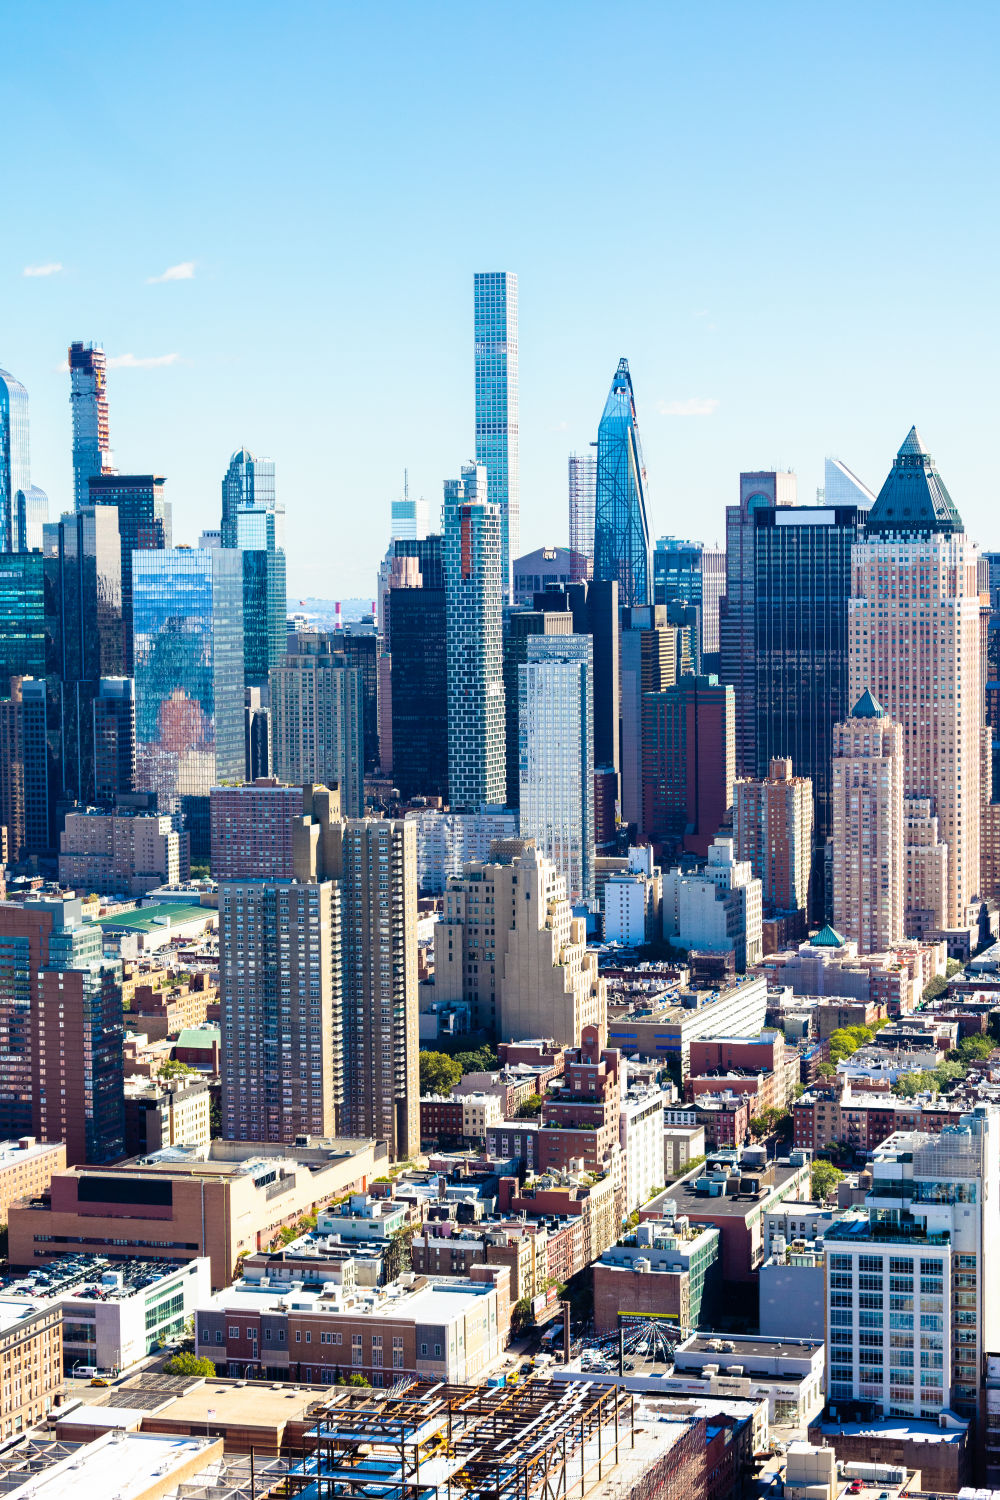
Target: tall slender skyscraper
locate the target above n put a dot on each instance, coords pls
(582, 500)
(868, 843)
(88, 399)
(15, 464)
(556, 747)
(496, 405)
(247, 481)
(914, 627)
(265, 604)
(472, 544)
(621, 528)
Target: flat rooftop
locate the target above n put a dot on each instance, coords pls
(730, 1205)
(750, 1347)
(167, 914)
(12, 1154)
(81, 1275)
(123, 1466)
(900, 1428)
(435, 1301)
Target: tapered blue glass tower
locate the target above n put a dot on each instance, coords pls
(621, 530)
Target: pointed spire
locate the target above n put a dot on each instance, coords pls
(913, 446)
(867, 707)
(913, 502)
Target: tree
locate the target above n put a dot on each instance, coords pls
(439, 1073)
(971, 1048)
(174, 1069)
(952, 967)
(934, 987)
(483, 1060)
(824, 1179)
(769, 1121)
(189, 1364)
(530, 1107)
(520, 1316)
(397, 1251)
(949, 1072)
(909, 1085)
(846, 1040)
(357, 1380)
(826, 1070)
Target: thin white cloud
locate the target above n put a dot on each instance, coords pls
(182, 272)
(141, 362)
(694, 406)
(51, 268)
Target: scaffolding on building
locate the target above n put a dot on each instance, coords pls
(541, 1440)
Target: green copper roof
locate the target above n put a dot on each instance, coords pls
(867, 707)
(913, 501)
(826, 938)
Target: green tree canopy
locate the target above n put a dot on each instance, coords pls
(824, 1179)
(934, 987)
(189, 1364)
(439, 1073)
(482, 1060)
(530, 1107)
(921, 1081)
(846, 1040)
(174, 1069)
(972, 1047)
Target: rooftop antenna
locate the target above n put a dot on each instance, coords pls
(406, 484)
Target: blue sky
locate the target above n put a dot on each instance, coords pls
(784, 213)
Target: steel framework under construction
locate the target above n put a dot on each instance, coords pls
(541, 1440)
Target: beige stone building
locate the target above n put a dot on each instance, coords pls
(926, 869)
(118, 853)
(914, 641)
(26, 1168)
(773, 829)
(509, 945)
(225, 1200)
(867, 816)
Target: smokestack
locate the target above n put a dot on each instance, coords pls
(338, 619)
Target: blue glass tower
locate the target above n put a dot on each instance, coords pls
(247, 481)
(15, 467)
(496, 406)
(188, 627)
(621, 530)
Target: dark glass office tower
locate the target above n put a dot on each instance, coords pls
(114, 740)
(264, 602)
(801, 587)
(416, 641)
(25, 633)
(144, 524)
(83, 559)
(621, 529)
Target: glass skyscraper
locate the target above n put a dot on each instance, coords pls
(188, 624)
(621, 529)
(472, 527)
(247, 481)
(144, 523)
(264, 592)
(15, 465)
(88, 401)
(556, 751)
(25, 629)
(496, 406)
(83, 567)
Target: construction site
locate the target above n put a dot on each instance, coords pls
(431, 1441)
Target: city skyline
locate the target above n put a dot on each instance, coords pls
(191, 319)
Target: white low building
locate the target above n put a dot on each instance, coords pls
(718, 909)
(641, 1140)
